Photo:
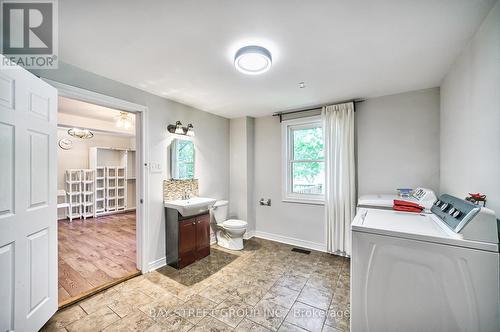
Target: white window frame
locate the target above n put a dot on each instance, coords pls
(286, 156)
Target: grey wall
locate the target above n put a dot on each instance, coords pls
(470, 117)
(397, 145)
(398, 142)
(241, 168)
(237, 168)
(211, 141)
(301, 224)
(78, 155)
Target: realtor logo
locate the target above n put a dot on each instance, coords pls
(29, 33)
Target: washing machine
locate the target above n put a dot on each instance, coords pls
(425, 272)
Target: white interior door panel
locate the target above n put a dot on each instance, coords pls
(28, 221)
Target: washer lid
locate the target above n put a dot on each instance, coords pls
(415, 226)
(402, 222)
(382, 200)
(234, 223)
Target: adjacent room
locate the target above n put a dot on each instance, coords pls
(217, 165)
(96, 198)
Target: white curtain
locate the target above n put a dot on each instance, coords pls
(340, 186)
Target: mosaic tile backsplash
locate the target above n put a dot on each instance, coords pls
(175, 189)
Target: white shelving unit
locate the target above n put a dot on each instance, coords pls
(121, 189)
(88, 192)
(99, 193)
(115, 188)
(131, 180)
(110, 188)
(79, 193)
(73, 188)
(61, 204)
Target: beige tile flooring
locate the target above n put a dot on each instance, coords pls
(265, 287)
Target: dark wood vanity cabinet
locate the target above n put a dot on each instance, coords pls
(188, 239)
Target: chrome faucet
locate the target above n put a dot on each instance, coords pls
(186, 195)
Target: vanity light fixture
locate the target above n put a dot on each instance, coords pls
(178, 129)
(253, 60)
(123, 121)
(80, 133)
(190, 130)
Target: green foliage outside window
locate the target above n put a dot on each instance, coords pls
(308, 155)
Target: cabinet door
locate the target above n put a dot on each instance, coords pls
(202, 236)
(187, 242)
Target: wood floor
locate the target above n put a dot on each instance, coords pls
(94, 253)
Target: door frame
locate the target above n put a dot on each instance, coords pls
(142, 148)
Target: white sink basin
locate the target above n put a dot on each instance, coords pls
(192, 206)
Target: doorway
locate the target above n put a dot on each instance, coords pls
(99, 185)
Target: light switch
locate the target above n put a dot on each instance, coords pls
(154, 167)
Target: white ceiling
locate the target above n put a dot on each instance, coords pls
(86, 115)
(81, 108)
(183, 50)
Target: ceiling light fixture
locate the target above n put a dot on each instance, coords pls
(253, 60)
(80, 133)
(123, 121)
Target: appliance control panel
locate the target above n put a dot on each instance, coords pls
(454, 212)
(472, 222)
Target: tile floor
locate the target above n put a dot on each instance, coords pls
(265, 287)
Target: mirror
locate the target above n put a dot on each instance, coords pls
(182, 159)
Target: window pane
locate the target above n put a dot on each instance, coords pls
(307, 143)
(308, 178)
(186, 170)
(185, 151)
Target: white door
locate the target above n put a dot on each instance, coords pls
(28, 222)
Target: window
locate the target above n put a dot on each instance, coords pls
(303, 160)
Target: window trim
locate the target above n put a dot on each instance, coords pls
(286, 155)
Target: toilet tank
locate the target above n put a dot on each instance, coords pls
(220, 211)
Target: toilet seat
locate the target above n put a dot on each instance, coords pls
(234, 224)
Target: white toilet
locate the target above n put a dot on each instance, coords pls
(229, 232)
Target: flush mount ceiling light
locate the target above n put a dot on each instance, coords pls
(80, 133)
(123, 121)
(253, 60)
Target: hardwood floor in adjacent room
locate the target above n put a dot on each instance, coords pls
(94, 253)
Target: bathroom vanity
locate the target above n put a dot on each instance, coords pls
(188, 238)
(187, 219)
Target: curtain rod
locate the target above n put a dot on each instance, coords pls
(280, 114)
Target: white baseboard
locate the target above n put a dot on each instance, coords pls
(291, 241)
(249, 235)
(154, 265)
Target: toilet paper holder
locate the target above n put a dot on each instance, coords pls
(265, 202)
